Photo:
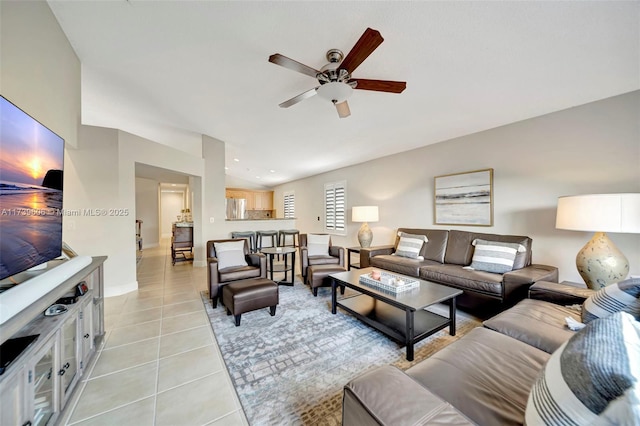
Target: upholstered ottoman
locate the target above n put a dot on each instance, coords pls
(317, 276)
(248, 295)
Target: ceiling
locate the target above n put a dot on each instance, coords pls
(170, 71)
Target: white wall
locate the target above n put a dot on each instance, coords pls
(39, 70)
(594, 148)
(147, 211)
(91, 183)
(102, 175)
(171, 205)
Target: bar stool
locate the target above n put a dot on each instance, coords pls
(284, 233)
(250, 236)
(261, 234)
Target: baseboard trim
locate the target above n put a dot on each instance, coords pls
(110, 291)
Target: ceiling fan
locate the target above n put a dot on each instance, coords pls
(336, 83)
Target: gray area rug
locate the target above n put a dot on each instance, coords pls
(290, 369)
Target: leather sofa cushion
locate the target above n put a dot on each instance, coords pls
(399, 264)
(456, 276)
(549, 330)
(485, 375)
(435, 248)
(387, 396)
(324, 260)
(238, 273)
(460, 249)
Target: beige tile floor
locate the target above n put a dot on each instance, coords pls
(160, 363)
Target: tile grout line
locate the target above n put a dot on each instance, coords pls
(155, 395)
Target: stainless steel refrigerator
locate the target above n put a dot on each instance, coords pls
(236, 208)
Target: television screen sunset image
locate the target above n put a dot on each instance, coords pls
(31, 164)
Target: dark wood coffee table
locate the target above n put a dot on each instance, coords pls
(401, 317)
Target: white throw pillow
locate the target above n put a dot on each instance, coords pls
(230, 254)
(318, 245)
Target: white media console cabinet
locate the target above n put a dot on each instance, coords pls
(36, 386)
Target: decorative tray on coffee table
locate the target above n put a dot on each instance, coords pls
(389, 282)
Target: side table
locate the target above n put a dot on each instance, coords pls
(349, 251)
(357, 249)
(271, 268)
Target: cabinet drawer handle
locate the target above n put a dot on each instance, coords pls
(66, 365)
(86, 336)
(28, 423)
(61, 372)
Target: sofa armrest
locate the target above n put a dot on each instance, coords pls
(213, 276)
(560, 294)
(521, 279)
(258, 259)
(367, 253)
(337, 251)
(387, 396)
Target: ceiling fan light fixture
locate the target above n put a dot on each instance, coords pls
(335, 92)
(343, 109)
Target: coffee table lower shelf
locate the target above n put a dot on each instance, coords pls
(395, 322)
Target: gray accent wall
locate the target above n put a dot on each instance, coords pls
(593, 148)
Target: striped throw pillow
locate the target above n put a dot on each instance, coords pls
(494, 256)
(616, 297)
(410, 245)
(592, 379)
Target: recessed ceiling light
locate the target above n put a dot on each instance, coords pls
(272, 171)
(173, 184)
(226, 168)
(236, 160)
(257, 177)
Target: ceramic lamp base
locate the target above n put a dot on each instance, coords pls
(365, 235)
(601, 263)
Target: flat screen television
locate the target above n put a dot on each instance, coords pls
(31, 171)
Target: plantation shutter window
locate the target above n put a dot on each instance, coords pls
(335, 207)
(289, 205)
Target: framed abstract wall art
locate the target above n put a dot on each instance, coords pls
(464, 198)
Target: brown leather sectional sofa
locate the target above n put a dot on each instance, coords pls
(484, 378)
(448, 251)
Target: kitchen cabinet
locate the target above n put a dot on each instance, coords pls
(263, 200)
(256, 200)
(236, 193)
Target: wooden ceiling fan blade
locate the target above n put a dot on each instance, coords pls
(289, 63)
(381, 85)
(343, 109)
(368, 42)
(299, 98)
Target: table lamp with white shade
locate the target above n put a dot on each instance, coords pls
(600, 262)
(365, 214)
